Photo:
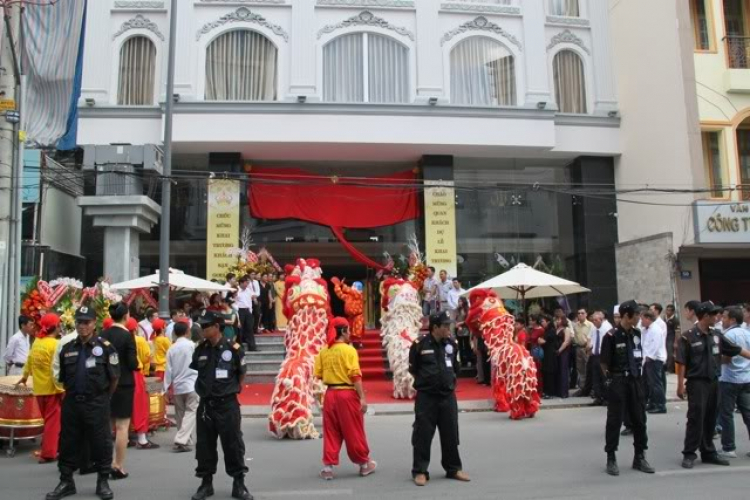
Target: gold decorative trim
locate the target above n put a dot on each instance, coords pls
(37, 422)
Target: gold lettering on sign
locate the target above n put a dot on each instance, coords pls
(222, 226)
(440, 226)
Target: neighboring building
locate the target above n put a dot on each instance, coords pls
(684, 89)
(484, 93)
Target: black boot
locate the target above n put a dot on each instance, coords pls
(239, 490)
(66, 488)
(640, 463)
(205, 490)
(103, 490)
(612, 468)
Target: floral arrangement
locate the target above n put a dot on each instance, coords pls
(249, 261)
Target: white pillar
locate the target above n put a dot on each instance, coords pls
(429, 51)
(303, 60)
(186, 47)
(535, 54)
(601, 50)
(97, 53)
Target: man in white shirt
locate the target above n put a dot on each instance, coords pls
(176, 315)
(181, 379)
(453, 295)
(443, 288)
(255, 285)
(657, 309)
(654, 340)
(17, 351)
(145, 329)
(244, 302)
(429, 293)
(594, 375)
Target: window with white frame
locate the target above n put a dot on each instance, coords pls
(137, 72)
(241, 65)
(567, 8)
(570, 82)
(365, 67)
(482, 73)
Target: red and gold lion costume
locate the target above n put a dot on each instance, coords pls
(514, 378)
(354, 306)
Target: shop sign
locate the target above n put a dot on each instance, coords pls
(222, 226)
(722, 222)
(440, 226)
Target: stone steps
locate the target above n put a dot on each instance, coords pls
(264, 364)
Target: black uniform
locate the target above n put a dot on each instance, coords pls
(621, 358)
(433, 365)
(221, 370)
(87, 371)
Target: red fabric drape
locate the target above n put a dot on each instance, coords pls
(358, 256)
(350, 202)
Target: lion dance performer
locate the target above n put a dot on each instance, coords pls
(400, 328)
(354, 305)
(514, 381)
(308, 310)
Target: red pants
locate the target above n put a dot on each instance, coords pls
(50, 408)
(140, 404)
(343, 421)
(159, 374)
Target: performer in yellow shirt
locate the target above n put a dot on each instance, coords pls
(48, 393)
(344, 407)
(161, 346)
(141, 405)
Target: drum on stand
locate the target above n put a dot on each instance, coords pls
(20, 417)
(157, 409)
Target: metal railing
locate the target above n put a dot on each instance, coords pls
(738, 51)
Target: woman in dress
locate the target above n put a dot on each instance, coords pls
(280, 289)
(231, 320)
(215, 303)
(565, 338)
(550, 344)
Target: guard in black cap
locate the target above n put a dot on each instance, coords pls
(432, 362)
(221, 371)
(621, 360)
(89, 371)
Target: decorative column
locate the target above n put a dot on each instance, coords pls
(604, 75)
(429, 53)
(303, 78)
(98, 43)
(184, 83)
(535, 54)
(123, 218)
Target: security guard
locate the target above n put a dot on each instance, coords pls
(89, 371)
(621, 360)
(432, 362)
(698, 359)
(221, 370)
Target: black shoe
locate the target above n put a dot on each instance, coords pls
(715, 460)
(239, 490)
(657, 411)
(66, 488)
(627, 431)
(117, 474)
(687, 463)
(103, 490)
(640, 463)
(205, 490)
(612, 468)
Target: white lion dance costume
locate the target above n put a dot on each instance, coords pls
(400, 328)
(307, 307)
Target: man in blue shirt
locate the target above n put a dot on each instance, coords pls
(734, 383)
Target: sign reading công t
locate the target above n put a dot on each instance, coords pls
(440, 226)
(222, 226)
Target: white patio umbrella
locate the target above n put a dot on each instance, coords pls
(177, 280)
(525, 282)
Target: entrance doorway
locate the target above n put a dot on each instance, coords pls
(725, 281)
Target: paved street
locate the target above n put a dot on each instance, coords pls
(556, 455)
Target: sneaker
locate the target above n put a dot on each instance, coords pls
(181, 448)
(715, 460)
(687, 463)
(728, 454)
(327, 473)
(368, 468)
(148, 446)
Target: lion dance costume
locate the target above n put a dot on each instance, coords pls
(400, 328)
(307, 306)
(514, 380)
(354, 305)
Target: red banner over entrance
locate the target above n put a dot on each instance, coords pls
(348, 202)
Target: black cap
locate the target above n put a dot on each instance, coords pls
(85, 313)
(628, 307)
(208, 318)
(439, 319)
(708, 308)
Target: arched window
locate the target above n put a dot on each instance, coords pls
(568, 8)
(570, 82)
(241, 65)
(482, 73)
(364, 67)
(137, 72)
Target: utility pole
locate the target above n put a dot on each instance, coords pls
(9, 80)
(166, 183)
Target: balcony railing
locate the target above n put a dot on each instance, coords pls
(738, 51)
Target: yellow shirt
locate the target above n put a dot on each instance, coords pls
(337, 365)
(143, 353)
(161, 346)
(39, 366)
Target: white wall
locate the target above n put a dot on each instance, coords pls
(61, 222)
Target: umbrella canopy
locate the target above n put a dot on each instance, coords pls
(527, 283)
(177, 280)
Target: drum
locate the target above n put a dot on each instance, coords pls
(157, 408)
(19, 409)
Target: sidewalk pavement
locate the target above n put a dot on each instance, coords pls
(484, 405)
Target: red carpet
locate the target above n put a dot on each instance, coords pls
(378, 391)
(372, 359)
